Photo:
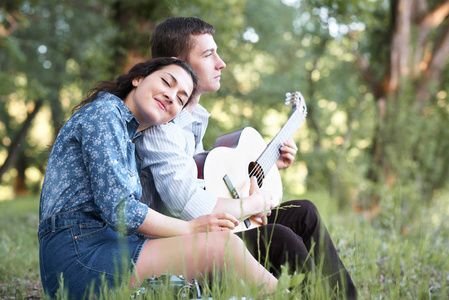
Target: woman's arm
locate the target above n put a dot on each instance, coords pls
(157, 224)
(108, 156)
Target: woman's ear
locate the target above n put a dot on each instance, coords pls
(136, 81)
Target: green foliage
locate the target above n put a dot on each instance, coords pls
(49, 58)
(414, 154)
(270, 47)
(60, 49)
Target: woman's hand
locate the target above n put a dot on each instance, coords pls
(213, 222)
(288, 152)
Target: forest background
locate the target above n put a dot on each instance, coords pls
(374, 74)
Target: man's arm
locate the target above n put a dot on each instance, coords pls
(167, 165)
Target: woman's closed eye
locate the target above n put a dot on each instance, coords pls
(169, 85)
(181, 101)
(166, 82)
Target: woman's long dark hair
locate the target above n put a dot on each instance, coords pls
(123, 85)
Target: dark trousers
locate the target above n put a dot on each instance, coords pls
(295, 235)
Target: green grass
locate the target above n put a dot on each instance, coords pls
(19, 266)
(401, 254)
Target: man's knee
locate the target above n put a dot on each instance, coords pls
(304, 204)
(304, 207)
(280, 235)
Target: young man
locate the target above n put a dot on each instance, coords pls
(293, 235)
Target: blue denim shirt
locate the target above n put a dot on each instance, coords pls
(92, 166)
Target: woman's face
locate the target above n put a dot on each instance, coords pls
(159, 97)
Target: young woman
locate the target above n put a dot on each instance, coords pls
(92, 225)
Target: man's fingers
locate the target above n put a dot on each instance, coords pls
(253, 187)
(264, 220)
(291, 144)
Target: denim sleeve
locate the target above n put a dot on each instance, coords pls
(108, 154)
(162, 151)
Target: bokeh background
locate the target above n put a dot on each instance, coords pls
(374, 75)
(373, 151)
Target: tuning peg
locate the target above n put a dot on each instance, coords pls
(288, 98)
(291, 97)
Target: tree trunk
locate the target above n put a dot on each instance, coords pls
(422, 67)
(19, 185)
(431, 62)
(13, 150)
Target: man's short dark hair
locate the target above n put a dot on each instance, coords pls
(172, 38)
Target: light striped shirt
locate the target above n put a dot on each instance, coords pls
(168, 172)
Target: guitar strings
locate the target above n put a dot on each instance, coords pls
(274, 155)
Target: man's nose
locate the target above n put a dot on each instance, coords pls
(220, 63)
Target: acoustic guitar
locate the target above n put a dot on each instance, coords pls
(242, 154)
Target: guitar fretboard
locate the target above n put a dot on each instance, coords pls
(270, 155)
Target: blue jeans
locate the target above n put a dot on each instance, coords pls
(84, 250)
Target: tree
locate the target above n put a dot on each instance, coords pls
(47, 59)
(418, 39)
(377, 66)
(373, 73)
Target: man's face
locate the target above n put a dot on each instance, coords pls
(206, 63)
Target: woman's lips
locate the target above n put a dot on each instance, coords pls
(161, 105)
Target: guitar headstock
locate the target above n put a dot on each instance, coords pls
(296, 99)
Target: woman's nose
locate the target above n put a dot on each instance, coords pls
(170, 96)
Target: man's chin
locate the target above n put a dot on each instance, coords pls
(210, 89)
(216, 87)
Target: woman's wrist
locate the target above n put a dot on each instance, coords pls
(189, 228)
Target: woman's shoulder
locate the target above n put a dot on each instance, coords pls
(105, 103)
(104, 112)
(105, 107)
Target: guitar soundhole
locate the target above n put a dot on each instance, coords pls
(254, 169)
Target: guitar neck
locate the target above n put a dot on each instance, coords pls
(271, 154)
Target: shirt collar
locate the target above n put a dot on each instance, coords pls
(131, 121)
(198, 115)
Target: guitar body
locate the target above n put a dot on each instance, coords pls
(234, 155)
(240, 155)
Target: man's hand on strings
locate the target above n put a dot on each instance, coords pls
(265, 201)
(288, 152)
